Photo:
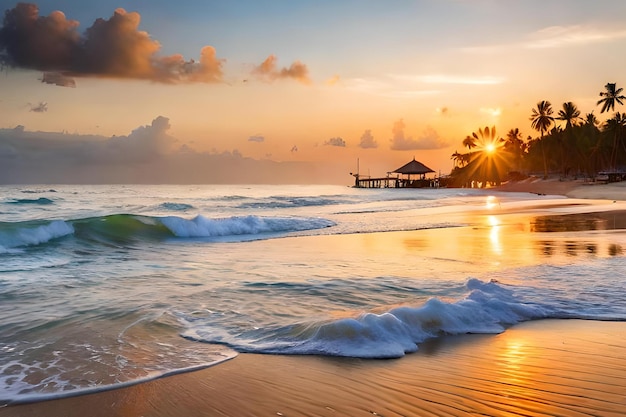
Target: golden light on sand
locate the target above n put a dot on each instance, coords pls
(492, 202)
(512, 360)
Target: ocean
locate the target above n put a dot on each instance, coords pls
(109, 285)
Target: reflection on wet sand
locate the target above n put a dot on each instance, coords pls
(493, 241)
(610, 220)
(550, 248)
(580, 222)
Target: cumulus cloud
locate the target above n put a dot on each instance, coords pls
(268, 71)
(146, 156)
(145, 142)
(113, 48)
(40, 150)
(428, 140)
(367, 140)
(39, 108)
(256, 138)
(337, 141)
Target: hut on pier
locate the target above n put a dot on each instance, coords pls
(410, 175)
(418, 171)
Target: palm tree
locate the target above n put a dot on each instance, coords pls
(610, 96)
(460, 160)
(616, 126)
(487, 166)
(592, 141)
(542, 117)
(486, 135)
(514, 136)
(455, 158)
(542, 120)
(469, 142)
(516, 146)
(569, 114)
(591, 119)
(484, 166)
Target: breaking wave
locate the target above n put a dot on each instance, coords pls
(122, 228)
(488, 308)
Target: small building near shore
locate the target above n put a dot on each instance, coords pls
(410, 175)
(418, 170)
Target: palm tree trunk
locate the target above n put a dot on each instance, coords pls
(614, 152)
(543, 154)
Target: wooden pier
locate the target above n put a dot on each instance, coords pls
(394, 182)
(401, 179)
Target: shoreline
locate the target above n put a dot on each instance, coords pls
(544, 367)
(568, 188)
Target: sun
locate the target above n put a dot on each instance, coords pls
(490, 148)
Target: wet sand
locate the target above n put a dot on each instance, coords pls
(570, 188)
(540, 368)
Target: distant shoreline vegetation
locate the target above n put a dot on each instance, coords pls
(577, 147)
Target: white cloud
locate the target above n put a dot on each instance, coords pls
(554, 37)
(560, 36)
(495, 112)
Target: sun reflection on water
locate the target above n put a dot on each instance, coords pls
(494, 234)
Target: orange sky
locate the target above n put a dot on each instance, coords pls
(304, 83)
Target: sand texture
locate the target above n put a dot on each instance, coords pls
(542, 368)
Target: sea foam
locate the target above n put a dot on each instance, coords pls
(201, 226)
(488, 308)
(34, 235)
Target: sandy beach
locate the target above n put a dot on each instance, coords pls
(538, 368)
(542, 368)
(570, 188)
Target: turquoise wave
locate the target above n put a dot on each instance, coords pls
(127, 228)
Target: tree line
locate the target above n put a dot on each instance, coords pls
(568, 144)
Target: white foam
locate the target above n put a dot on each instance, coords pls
(201, 226)
(30, 236)
(16, 391)
(488, 308)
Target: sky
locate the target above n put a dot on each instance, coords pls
(256, 91)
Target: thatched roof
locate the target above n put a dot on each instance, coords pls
(413, 167)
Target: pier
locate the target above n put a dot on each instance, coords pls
(401, 179)
(394, 182)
